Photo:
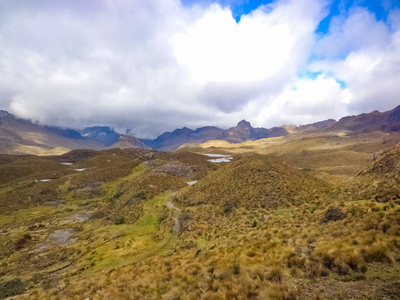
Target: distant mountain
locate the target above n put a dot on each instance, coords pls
(129, 141)
(65, 132)
(18, 136)
(172, 140)
(104, 134)
(388, 121)
(242, 132)
(316, 126)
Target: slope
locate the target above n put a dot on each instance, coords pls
(253, 182)
(129, 141)
(19, 136)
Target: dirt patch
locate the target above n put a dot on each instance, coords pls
(176, 169)
(62, 237)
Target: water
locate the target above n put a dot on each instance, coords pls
(191, 182)
(218, 158)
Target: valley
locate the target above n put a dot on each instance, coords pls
(309, 216)
(200, 150)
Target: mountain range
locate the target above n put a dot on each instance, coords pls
(312, 213)
(242, 132)
(19, 136)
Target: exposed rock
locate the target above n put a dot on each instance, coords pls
(129, 141)
(62, 237)
(104, 134)
(333, 214)
(176, 169)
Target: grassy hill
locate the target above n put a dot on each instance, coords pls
(253, 182)
(124, 224)
(334, 156)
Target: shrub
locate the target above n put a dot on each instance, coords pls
(163, 216)
(97, 215)
(37, 277)
(21, 243)
(229, 207)
(341, 266)
(377, 252)
(333, 214)
(356, 262)
(12, 288)
(276, 274)
(281, 291)
(316, 269)
(118, 219)
(236, 268)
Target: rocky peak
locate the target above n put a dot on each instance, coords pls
(129, 141)
(244, 123)
(5, 114)
(395, 115)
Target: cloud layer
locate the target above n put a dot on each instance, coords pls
(152, 66)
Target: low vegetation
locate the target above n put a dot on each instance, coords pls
(129, 227)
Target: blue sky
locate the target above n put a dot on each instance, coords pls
(380, 8)
(155, 65)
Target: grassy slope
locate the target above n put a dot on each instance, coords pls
(279, 250)
(119, 187)
(332, 156)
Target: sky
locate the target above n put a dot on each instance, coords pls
(150, 66)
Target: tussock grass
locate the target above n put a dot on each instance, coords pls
(252, 229)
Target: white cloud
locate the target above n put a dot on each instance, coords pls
(359, 30)
(307, 100)
(152, 66)
(147, 65)
(371, 70)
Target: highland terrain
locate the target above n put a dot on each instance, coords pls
(306, 212)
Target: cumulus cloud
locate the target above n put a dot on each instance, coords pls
(308, 100)
(153, 66)
(371, 66)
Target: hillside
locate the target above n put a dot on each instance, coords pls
(388, 121)
(381, 180)
(129, 141)
(125, 224)
(18, 136)
(253, 182)
(311, 215)
(332, 156)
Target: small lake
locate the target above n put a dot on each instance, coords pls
(218, 158)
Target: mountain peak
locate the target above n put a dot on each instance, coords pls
(4, 114)
(129, 141)
(244, 123)
(395, 115)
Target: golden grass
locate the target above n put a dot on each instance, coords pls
(251, 229)
(40, 151)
